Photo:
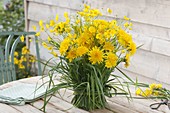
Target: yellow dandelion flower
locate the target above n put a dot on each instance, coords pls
(44, 44)
(132, 48)
(21, 66)
(64, 46)
(147, 92)
(30, 40)
(49, 39)
(42, 28)
(71, 54)
(111, 60)
(152, 86)
(25, 50)
(81, 50)
(126, 18)
(66, 14)
(99, 36)
(22, 38)
(159, 86)
(86, 6)
(16, 61)
(109, 10)
(92, 29)
(122, 51)
(56, 17)
(126, 24)
(41, 23)
(127, 60)
(23, 58)
(50, 48)
(95, 55)
(108, 46)
(37, 34)
(47, 26)
(54, 53)
(138, 91)
(52, 22)
(34, 27)
(77, 21)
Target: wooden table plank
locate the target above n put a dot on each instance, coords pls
(132, 105)
(119, 108)
(49, 107)
(4, 108)
(67, 95)
(60, 105)
(65, 106)
(26, 109)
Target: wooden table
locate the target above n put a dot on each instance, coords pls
(62, 105)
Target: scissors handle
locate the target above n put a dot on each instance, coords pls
(158, 104)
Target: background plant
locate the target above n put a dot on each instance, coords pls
(12, 19)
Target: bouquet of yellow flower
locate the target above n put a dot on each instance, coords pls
(90, 51)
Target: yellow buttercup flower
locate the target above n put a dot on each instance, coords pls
(96, 55)
(22, 38)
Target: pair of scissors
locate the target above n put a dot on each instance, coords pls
(158, 104)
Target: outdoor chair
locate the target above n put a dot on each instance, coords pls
(7, 67)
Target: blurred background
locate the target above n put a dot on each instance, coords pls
(151, 27)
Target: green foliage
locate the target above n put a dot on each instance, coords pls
(12, 16)
(12, 19)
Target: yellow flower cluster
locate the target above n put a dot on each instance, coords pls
(96, 40)
(151, 91)
(24, 58)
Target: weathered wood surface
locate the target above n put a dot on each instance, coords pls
(61, 104)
